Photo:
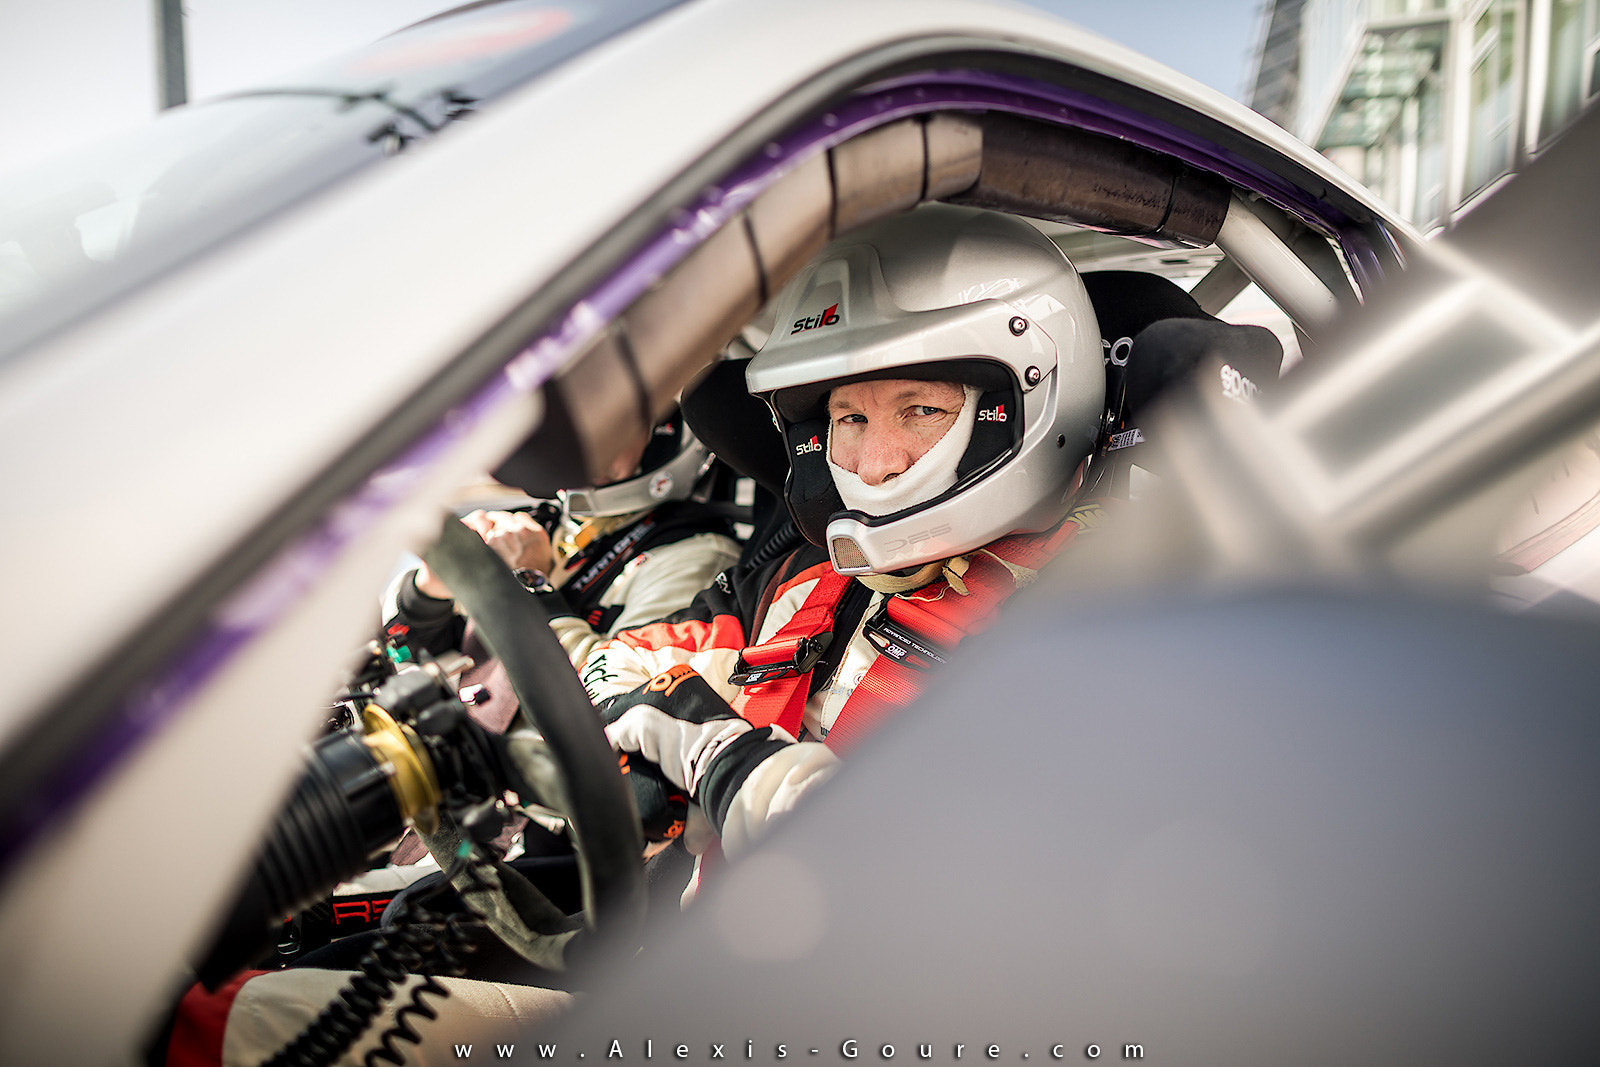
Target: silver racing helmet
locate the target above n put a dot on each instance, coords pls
(673, 462)
(950, 294)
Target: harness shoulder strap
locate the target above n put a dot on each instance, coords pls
(916, 631)
(785, 573)
(775, 674)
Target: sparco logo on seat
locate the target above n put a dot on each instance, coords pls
(812, 445)
(997, 415)
(827, 318)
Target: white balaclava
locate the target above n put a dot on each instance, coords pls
(932, 473)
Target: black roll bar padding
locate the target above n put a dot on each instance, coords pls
(517, 632)
(552, 457)
(1088, 179)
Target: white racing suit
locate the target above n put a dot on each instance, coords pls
(776, 680)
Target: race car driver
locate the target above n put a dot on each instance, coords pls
(939, 382)
(634, 549)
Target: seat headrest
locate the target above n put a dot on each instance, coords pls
(737, 426)
(1153, 333)
(1126, 301)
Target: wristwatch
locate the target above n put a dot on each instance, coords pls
(534, 581)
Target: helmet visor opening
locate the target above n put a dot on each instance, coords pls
(803, 402)
(997, 434)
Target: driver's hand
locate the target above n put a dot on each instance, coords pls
(515, 537)
(663, 807)
(678, 723)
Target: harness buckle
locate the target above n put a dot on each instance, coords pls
(786, 658)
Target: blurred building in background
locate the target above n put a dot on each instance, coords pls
(1431, 103)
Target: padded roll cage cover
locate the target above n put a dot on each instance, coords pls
(990, 160)
(1097, 182)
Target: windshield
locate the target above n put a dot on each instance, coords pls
(82, 230)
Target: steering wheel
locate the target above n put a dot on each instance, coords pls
(558, 748)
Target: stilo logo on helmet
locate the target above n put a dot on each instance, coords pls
(829, 317)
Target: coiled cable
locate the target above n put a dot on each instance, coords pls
(419, 938)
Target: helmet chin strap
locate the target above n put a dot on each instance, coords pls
(903, 583)
(932, 473)
(953, 570)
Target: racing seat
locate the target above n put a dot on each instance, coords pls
(1153, 334)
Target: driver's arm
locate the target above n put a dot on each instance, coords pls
(771, 788)
(419, 601)
(707, 636)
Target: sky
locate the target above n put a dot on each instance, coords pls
(74, 71)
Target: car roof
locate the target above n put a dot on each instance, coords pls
(200, 412)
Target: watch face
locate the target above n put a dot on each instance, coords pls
(534, 581)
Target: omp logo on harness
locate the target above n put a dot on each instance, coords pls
(827, 318)
(813, 445)
(997, 415)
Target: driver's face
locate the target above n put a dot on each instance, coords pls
(881, 428)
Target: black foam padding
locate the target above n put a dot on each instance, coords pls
(552, 457)
(811, 493)
(995, 430)
(1094, 180)
(737, 426)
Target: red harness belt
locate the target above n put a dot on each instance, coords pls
(913, 632)
(776, 675)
